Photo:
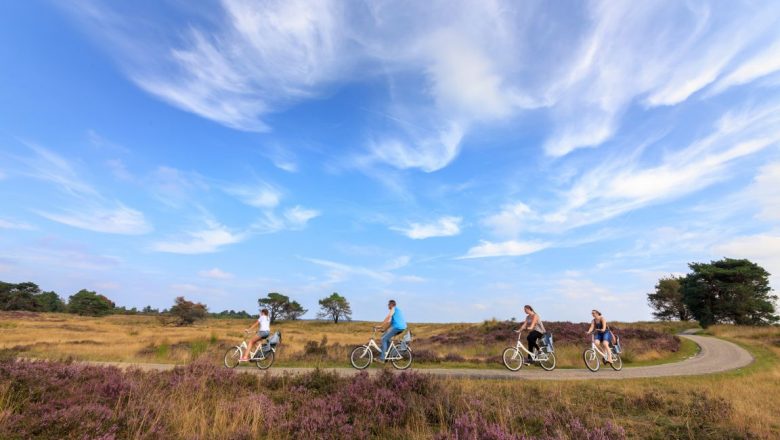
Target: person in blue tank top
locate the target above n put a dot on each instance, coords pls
(394, 323)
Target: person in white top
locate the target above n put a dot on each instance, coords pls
(263, 325)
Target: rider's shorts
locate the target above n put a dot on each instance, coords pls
(263, 334)
(604, 336)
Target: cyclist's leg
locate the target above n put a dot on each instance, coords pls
(606, 348)
(249, 346)
(532, 337)
(386, 341)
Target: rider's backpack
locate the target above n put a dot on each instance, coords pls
(547, 340)
(275, 339)
(616, 343)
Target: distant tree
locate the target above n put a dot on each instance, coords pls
(292, 311)
(729, 291)
(22, 296)
(88, 303)
(335, 307)
(275, 303)
(148, 310)
(51, 302)
(667, 300)
(187, 312)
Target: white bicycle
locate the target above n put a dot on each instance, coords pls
(593, 357)
(263, 355)
(515, 357)
(399, 355)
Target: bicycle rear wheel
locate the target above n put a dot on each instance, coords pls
(591, 360)
(232, 357)
(405, 361)
(513, 359)
(617, 363)
(361, 357)
(548, 363)
(266, 361)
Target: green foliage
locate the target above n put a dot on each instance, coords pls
(22, 296)
(667, 300)
(88, 303)
(335, 307)
(187, 312)
(729, 291)
(280, 307)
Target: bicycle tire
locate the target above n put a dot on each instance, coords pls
(512, 356)
(232, 357)
(405, 361)
(617, 363)
(358, 355)
(549, 363)
(591, 360)
(267, 360)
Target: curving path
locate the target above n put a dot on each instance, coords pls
(715, 355)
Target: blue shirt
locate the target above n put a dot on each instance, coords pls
(398, 322)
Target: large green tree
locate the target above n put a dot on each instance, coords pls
(292, 311)
(335, 307)
(729, 291)
(22, 296)
(667, 300)
(187, 312)
(88, 303)
(51, 302)
(275, 303)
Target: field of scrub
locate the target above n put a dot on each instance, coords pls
(310, 343)
(202, 400)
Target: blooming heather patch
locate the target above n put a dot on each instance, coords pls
(42, 400)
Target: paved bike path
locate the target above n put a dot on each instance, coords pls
(714, 356)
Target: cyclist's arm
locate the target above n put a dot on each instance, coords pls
(604, 323)
(254, 324)
(522, 327)
(590, 329)
(386, 323)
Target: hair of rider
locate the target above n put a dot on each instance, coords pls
(264, 312)
(528, 309)
(596, 312)
(391, 303)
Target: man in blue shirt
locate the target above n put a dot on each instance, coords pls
(394, 323)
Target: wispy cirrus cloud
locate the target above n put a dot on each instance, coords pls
(90, 209)
(11, 224)
(201, 241)
(509, 248)
(216, 273)
(261, 195)
(446, 226)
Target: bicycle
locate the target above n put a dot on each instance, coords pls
(263, 355)
(400, 356)
(514, 359)
(593, 357)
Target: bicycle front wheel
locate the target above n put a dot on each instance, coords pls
(513, 359)
(405, 360)
(361, 357)
(617, 363)
(232, 357)
(591, 360)
(266, 361)
(548, 362)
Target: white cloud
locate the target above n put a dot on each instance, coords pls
(118, 220)
(765, 191)
(428, 153)
(298, 217)
(202, 241)
(176, 187)
(761, 64)
(511, 248)
(10, 224)
(262, 195)
(216, 273)
(447, 226)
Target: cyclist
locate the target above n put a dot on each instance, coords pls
(264, 330)
(534, 323)
(603, 334)
(394, 323)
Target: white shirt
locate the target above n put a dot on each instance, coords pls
(265, 323)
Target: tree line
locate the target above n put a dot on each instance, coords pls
(727, 291)
(28, 296)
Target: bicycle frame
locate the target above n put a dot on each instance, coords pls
(244, 347)
(372, 345)
(595, 347)
(540, 356)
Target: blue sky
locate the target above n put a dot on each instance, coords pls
(464, 158)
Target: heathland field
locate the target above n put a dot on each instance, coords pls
(309, 343)
(55, 399)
